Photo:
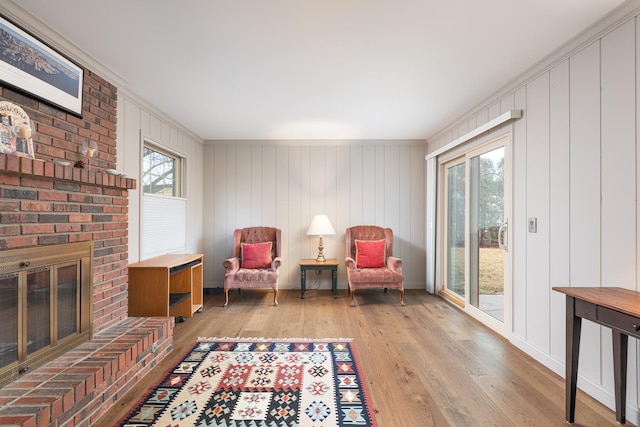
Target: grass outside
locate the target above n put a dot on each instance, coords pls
(491, 271)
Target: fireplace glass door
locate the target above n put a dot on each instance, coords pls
(67, 296)
(9, 317)
(50, 314)
(44, 308)
(38, 298)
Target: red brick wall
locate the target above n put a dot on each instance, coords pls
(44, 204)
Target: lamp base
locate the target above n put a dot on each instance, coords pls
(320, 257)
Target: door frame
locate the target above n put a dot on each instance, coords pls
(442, 254)
(465, 150)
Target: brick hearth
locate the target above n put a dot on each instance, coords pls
(81, 385)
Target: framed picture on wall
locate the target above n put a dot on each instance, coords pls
(29, 65)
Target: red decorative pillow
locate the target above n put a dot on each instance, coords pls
(256, 255)
(370, 253)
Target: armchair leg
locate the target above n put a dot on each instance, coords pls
(401, 296)
(226, 297)
(353, 298)
(275, 297)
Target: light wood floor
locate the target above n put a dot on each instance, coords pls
(426, 364)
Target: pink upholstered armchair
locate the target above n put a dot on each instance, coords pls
(256, 260)
(370, 261)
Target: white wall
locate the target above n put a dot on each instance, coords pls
(283, 184)
(137, 122)
(576, 168)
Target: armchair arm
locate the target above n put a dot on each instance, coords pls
(231, 264)
(276, 263)
(394, 264)
(350, 263)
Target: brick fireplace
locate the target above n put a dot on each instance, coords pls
(44, 203)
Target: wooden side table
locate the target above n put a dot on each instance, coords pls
(312, 264)
(617, 308)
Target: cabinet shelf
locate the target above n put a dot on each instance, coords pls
(168, 285)
(174, 299)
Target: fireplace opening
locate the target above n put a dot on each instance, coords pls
(45, 304)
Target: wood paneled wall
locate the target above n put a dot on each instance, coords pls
(258, 183)
(576, 168)
(137, 122)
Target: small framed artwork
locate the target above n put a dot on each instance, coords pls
(29, 65)
(15, 131)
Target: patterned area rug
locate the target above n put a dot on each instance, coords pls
(259, 383)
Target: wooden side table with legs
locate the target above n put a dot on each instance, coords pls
(616, 308)
(312, 264)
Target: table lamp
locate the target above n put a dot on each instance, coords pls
(320, 225)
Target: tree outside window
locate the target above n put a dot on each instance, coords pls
(161, 172)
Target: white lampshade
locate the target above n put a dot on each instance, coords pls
(320, 226)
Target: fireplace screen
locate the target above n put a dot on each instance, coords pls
(45, 305)
(9, 330)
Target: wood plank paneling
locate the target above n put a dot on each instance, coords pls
(269, 194)
(537, 188)
(585, 223)
(635, 352)
(333, 248)
(518, 228)
(618, 146)
(618, 158)
(129, 161)
(138, 124)
(209, 197)
(379, 175)
(193, 191)
(307, 181)
(494, 110)
(217, 157)
(282, 213)
(256, 190)
(242, 185)
(368, 185)
(230, 219)
(286, 184)
(391, 189)
(403, 206)
(585, 166)
(416, 271)
(559, 208)
(356, 184)
(295, 235)
(343, 208)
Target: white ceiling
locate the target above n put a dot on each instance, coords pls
(317, 69)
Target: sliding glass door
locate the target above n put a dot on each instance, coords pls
(475, 232)
(455, 228)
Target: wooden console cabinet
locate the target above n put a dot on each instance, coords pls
(166, 286)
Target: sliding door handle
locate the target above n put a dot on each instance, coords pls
(502, 236)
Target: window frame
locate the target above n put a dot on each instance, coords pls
(178, 170)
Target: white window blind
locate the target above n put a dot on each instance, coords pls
(164, 223)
